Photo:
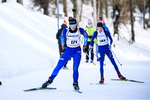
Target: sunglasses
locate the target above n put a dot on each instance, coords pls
(74, 25)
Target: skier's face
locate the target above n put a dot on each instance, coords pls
(89, 23)
(73, 27)
(99, 29)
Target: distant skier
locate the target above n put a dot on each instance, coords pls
(72, 49)
(104, 47)
(90, 29)
(0, 83)
(58, 36)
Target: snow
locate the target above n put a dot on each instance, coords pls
(29, 53)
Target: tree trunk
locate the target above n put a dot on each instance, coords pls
(94, 12)
(4, 1)
(149, 8)
(98, 9)
(113, 8)
(54, 9)
(82, 1)
(65, 7)
(92, 3)
(46, 6)
(101, 8)
(97, 6)
(132, 23)
(106, 8)
(20, 1)
(144, 15)
(78, 10)
(116, 17)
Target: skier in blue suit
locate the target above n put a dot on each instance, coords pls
(104, 47)
(72, 49)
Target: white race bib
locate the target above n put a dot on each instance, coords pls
(101, 38)
(73, 39)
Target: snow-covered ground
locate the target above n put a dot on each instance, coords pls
(29, 53)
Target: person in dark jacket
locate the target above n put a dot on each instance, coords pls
(58, 37)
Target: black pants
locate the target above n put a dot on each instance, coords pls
(59, 46)
(60, 51)
(92, 55)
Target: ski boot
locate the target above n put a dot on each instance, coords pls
(101, 81)
(121, 77)
(65, 67)
(97, 59)
(75, 85)
(86, 61)
(50, 80)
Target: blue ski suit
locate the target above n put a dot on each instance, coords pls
(103, 48)
(73, 49)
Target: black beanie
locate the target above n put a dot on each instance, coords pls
(99, 25)
(72, 21)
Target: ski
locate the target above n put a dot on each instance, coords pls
(40, 88)
(127, 80)
(78, 91)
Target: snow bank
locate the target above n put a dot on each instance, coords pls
(27, 40)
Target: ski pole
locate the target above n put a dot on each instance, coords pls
(116, 58)
(93, 53)
(90, 59)
(96, 56)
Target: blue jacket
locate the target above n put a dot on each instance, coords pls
(63, 36)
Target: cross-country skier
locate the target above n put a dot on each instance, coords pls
(58, 37)
(106, 28)
(104, 47)
(73, 49)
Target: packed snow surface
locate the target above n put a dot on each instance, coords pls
(29, 53)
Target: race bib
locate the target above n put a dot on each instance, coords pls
(102, 39)
(73, 39)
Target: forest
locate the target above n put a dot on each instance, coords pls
(122, 11)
